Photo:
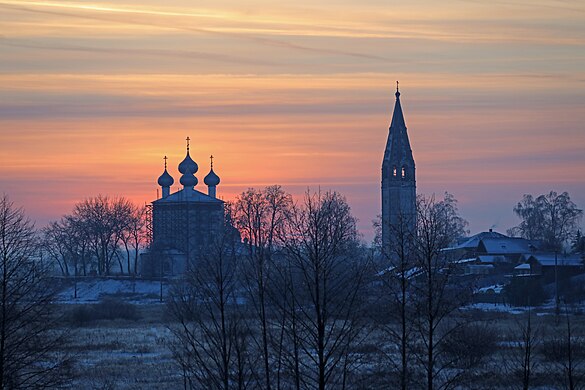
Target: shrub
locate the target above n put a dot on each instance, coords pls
(113, 309)
(468, 345)
(525, 291)
(107, 309)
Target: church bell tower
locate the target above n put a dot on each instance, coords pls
(398, 182)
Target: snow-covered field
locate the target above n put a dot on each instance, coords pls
(135, 354)
(124, 355)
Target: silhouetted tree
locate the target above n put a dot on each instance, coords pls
(321, 245)
(521, 362)
(66, 243)
(133, 236)
(578, 243)
(567, 352)
(258, 215)
(211, 336)
(57, 244)
(551, 218)
(31, 346)
(104, 220)
(397, 268)
(438, 292)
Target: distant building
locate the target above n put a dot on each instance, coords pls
(495, 254)
(489, 253)
(184, 223)
(493, 247)
(545, 263)
(398, 181)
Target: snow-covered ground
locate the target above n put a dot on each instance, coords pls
(93, 290)
(548, 308)
(140, 291)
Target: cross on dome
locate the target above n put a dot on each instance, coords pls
(211, 179)
(165, 180)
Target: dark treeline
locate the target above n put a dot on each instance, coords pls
(102, 232)
(300, 303)
(31, 335)
(285, 309)
(295, 300)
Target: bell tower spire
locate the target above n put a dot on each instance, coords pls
(398, 180)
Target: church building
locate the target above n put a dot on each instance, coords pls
(184, 223)
(398, 182)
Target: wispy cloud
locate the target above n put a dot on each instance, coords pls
(257, 35)
(197, 56)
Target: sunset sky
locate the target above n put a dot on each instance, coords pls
(93, 94)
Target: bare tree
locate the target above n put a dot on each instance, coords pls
(567, 352)
(397, 269)
(438, 293)
(55, 243)
(321, 245)
(66, 243)
(521, 362)
(104, 220)
(286, 309)
(551, 218)
(29, 339)
(133, 236)
(211, 338)
(259, 214)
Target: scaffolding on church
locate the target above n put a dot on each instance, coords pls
(148, 208)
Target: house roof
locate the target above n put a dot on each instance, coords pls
(523, 266)
(505, 245)
(473, 241)
(489, 259)
(468, 260)
(548, 259)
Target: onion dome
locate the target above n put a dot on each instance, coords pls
(188, 180)
(188, 165)
(211, 179)
(165, 180)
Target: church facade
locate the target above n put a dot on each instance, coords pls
(398, 183)
(184, 223)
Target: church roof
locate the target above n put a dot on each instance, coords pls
(398, 149)
(190, 196)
